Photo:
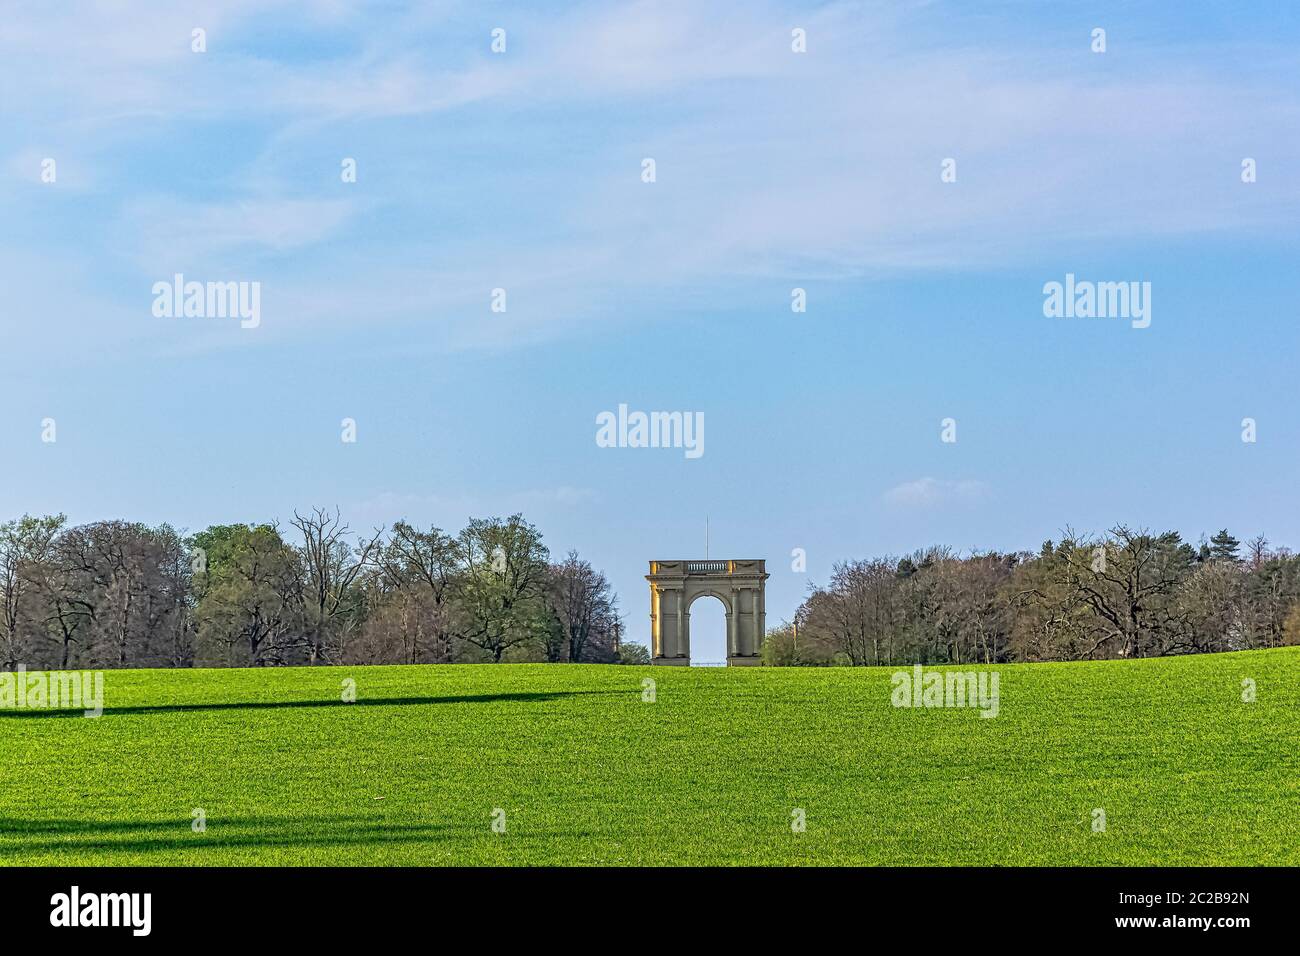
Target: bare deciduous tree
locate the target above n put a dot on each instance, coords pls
(584, 606)
(332, 566)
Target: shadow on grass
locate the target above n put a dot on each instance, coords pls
(19, 836)
(526, 698)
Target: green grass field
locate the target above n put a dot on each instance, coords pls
(709, 773)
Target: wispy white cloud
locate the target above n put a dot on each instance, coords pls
(182, 232)
(822, 165)
(929, 493)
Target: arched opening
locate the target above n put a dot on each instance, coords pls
(732, 633)
(708, 631)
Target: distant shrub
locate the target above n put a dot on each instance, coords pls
(630, 652)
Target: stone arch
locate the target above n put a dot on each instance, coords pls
(689, 627)
(726, 601)
(676, 585)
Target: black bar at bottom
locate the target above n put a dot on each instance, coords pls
(334, 906)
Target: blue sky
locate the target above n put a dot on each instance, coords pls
(775, 170)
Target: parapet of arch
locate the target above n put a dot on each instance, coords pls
(674, 587)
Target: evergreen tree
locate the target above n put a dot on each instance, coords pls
(1223, 547)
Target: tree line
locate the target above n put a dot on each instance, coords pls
(1128, 593)
(122, 594)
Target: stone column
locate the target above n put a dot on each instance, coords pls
(733, 615)
(684, 635)
(747, 647)
(656, 637)
(680, 650)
